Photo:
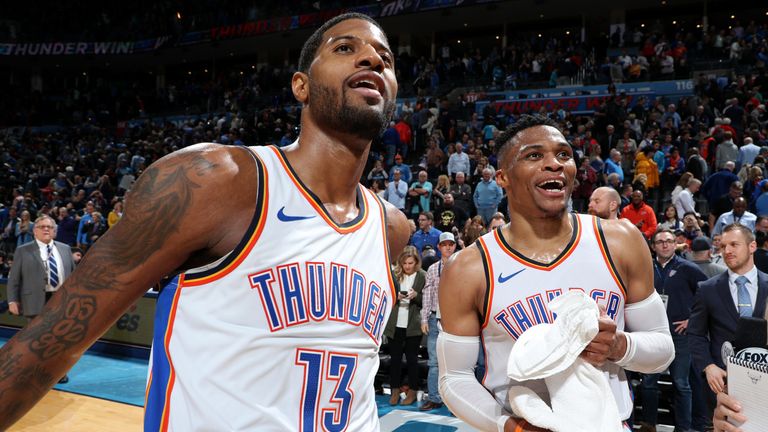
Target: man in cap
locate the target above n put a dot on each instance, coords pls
(701, 255)
(430, 315)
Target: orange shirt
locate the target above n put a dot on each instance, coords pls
(645, 214)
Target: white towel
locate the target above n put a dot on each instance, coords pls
(581, 399)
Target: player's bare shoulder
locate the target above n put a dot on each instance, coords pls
(621, 235)
(398, 231)
(190, 191)
(630, 251)
(462, 289)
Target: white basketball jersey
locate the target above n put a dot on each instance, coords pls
(283, 333)
(518, 292)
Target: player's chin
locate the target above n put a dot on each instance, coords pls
(554, 208)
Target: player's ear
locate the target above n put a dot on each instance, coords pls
(300, 87)
(501, 178)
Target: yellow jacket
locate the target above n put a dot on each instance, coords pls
(645, 165)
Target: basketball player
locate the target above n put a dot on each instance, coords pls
(275, 318)
(501, 285)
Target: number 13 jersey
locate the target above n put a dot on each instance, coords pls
(284, 332)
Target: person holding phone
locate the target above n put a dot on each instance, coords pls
(403, 330)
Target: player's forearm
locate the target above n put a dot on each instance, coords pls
(25, 377)
(459, 388)
(649, 347)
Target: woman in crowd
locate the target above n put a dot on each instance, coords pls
(669, 220)
(442, 188)
(473, 229)
(24, 229)
(377, 172)
(403, 330)
(115, 214)
(681, 184)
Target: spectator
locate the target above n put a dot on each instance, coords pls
(685, 202)
(450, 216)
(405, 170)
(430, 315)
(669, 219)
(613, 165)
(487, 196)
(711, 323)
(462, 193)
(420, 194)
(458, 162)
(391, 142)
(115, 214)
(676, 280)
(427, 234)
(377, 173)
(604, 203)
(66, 230)
(701, 255)
(724, 202)
(396, 191)
(640, 214)
(24, 229)
(739, 215)
(403, 330)
(727, 151)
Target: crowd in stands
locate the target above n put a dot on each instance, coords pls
(136, 21)
(530, 60)
(649, 146)
(692, 164)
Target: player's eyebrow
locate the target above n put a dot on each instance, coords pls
(376, 44)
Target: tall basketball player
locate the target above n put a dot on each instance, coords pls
(275, 318)
(501, 286)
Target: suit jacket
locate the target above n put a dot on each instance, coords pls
(28, 277)
(714, 318)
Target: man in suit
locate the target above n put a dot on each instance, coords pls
(38, 269)
(741, 291)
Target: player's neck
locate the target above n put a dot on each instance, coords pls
(523, 232)
(329, 165)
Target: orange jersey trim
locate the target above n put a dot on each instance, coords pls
(569, 248)
(488, 265)
(315, 202)
(166, 347)
(243, 249)
(385, 237)
(607, 256)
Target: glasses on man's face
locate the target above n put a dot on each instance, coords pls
(45, 227)
(664, 242)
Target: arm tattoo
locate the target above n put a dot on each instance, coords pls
(8, 365)
(157, 202)
(62, 327)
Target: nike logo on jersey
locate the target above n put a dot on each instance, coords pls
(503, 278)
(286, 218)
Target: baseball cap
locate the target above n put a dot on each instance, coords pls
(700, 244)
(446, 236)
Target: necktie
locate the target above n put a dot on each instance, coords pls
(53, 269)
(745, 303)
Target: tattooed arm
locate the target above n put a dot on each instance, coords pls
(172, 221)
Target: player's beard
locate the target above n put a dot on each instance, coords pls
(363, 122)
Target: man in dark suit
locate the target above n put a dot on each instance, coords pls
(741, 291)
(38, 269)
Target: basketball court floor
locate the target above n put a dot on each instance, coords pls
(107, 393)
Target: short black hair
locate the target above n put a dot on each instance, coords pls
(309, 50)
(524, 122)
